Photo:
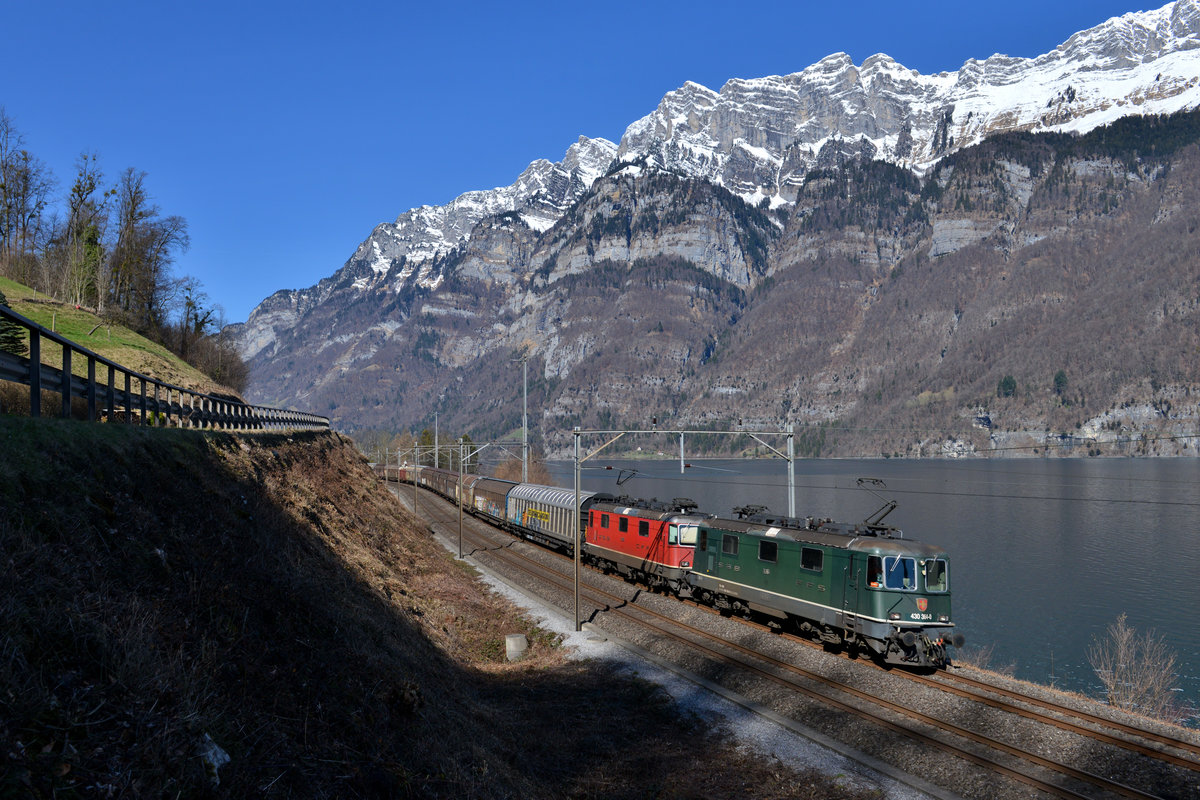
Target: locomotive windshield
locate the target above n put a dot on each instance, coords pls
(935, 575)
(900, 573)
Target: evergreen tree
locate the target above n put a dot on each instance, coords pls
(12, 335)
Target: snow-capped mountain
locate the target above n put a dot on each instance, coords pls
(759, 138)
(539, 196)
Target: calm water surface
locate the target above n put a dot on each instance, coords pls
(1046, 553)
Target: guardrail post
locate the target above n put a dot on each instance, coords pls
(105, 400)
(64, 385)
(91, 389)
(35, 374)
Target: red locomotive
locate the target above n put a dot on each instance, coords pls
(645, 541)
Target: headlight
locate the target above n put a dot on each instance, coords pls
(894, 615)
(944, 618)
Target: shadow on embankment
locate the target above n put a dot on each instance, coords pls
(163, 587)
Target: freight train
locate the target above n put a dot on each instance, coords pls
(861, 587)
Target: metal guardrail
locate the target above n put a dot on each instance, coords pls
(146, 405)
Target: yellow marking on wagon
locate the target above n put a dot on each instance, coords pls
(534, 513)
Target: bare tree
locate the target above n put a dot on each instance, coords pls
(25, 186)
(374, 443)
(402, 443)
(134, 210)
(87, 215)
(510, 470)
(140, 286)
(1138, 672)
(10, 144)
(73, 259)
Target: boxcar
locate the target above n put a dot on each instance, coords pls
(445, 483)
(489, 496)
(546, 514)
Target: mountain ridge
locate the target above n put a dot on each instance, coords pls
(764, 156)
(502, 288)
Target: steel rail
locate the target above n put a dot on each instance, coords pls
(979, 691)
(622, 608)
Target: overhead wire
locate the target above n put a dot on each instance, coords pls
(775, 484)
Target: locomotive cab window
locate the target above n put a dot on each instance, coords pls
(936, 577)
(900, 573)
(604, 520)
(812, 558)
(623, 524)
(874, 572)
(643, 527)
(687, 535)
(768, 551)
(703, 544)
(729, 545)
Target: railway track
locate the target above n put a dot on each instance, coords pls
(1164, 767)
(1136, 740)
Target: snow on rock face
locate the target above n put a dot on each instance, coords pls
(759, 137)
(1134, 64)
(540, 195)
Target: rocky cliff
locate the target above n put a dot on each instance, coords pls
(845, 245)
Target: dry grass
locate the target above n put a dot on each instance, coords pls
(983, 658)
(162, 585)
(113, 341)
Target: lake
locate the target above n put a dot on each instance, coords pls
(1046, 553)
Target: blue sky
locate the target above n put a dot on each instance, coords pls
(285, 132)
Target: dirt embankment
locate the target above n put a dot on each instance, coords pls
(166, 591)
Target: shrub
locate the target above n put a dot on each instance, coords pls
(1138, 672)
(12, 335)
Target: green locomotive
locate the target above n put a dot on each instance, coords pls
(858, 586)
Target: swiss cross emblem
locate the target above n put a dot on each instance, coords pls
(922, 603)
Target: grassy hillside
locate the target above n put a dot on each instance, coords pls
(114, 342)
(163, 587)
